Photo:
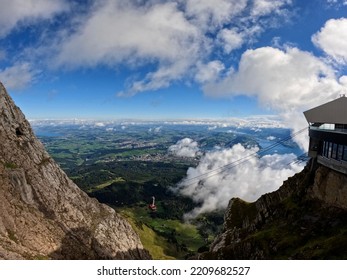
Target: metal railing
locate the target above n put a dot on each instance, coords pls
(335, 130)
(338, 165)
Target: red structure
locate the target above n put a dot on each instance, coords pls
(152, 206)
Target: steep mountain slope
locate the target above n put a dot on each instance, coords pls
(305, 219)
(43, 214)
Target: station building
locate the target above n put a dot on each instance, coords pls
(328, 134)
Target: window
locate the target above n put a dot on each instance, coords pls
(330, 146)
(328, 126)
(334, 151)
(341, 127)
(339, 152)
(325, 149)
(344, 156)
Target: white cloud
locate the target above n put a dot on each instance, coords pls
(155, 129)
(265, 7)
(289, 81)
(99, 124)
(158, 129)
(209, 72)
(253, 122)
(161, 78)
(343, 81)
(332, 39)
(212, 185)
(212, 127)
(16, 12)
(213, 14)
(116, 31)
(230, 39)
(18, 76)
(185, 148)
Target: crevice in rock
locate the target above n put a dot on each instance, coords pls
(19, 132)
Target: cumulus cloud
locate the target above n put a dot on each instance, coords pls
(16, 12)
(99, 124)
(230, 39)
(155, 129)
(213, 14)
(343, 81)
(209, 72)
(332, 39)
(172, 36)
(158, 129)
(212, 127)
(118, 31)
(288, 81)
(212, 184)
(18, 76)
(264, 7)
(185, 148)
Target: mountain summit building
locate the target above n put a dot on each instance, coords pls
(328, 134)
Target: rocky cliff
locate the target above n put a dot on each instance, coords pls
(305, 219)
(43, 214)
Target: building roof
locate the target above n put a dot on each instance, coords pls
(333, 112)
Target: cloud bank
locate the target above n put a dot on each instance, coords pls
(212, 185)
(185, 148)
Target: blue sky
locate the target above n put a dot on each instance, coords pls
(110, 59)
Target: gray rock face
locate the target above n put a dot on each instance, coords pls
(330, 187)
(43, 214)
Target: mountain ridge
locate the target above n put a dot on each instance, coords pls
(43, 214)
(304, 219)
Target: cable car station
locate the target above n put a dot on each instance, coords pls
(328, 134)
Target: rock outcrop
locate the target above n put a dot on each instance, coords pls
(43, 214)
(305, 219)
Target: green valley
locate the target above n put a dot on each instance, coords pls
(125, 165)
